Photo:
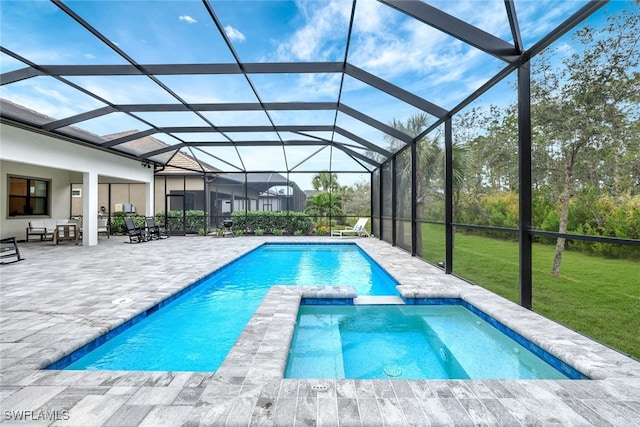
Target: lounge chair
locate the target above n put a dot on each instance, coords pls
(358, 229)
(153, 231)
(136, 234)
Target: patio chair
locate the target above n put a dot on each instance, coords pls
(78, 223)
(136, 234)
(103, 227)
(153, 231)
(9, 249)
(358, 229)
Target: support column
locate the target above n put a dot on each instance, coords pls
(394, 196)
(448, 191)
(90, 208)
(414, 199)
(371, 205)
(524, 168)
(149, 199)
(381, 202)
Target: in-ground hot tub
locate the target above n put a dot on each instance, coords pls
(450, 340)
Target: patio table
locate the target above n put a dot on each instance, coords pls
(66, 232)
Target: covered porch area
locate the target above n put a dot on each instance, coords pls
(53, 179)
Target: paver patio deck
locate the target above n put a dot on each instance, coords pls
(61, 297)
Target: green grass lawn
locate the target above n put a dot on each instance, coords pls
(599, 297)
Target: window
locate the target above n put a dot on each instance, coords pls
(28, 196)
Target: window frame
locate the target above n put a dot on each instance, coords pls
(28, 197)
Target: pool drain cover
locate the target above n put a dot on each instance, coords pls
(393, 371)
(319, 387)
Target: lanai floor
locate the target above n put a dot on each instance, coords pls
(61, 297)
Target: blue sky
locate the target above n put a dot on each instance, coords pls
(384, 42)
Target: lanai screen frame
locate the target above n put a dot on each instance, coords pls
(516, 58)
(525, 230)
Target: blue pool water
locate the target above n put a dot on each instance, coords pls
(196, 331)
(407, 342)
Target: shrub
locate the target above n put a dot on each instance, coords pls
(195, 221)
(591, 213)
(117, 226)
(268, 221)
(322, 231)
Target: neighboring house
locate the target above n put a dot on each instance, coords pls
(188, 184)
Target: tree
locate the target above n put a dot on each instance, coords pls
(358, 203)
(430, 168)
(344, 193)
(582, 107)
(326, 181)
(493, 168)
(322, 205)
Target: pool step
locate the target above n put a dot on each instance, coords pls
(379, 300)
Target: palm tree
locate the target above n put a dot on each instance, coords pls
(325, 180)
(323, 204)
(430, 167)
(344, 194)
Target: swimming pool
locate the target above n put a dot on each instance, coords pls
(443, 341)
(195, 331)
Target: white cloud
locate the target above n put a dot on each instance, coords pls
(371, 16)
(316, 40)
(187, 19)
(397, 46)
(51, 94)
(42, 105)
(234, 34)
(48, 97)
(539, 18)
(89, 56)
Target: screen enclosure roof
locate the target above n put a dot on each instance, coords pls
(256, 86)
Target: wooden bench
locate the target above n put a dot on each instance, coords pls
(9, 249)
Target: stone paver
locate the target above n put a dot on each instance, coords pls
(62, 297)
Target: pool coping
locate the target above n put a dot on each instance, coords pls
(278, 312)
(249, 388)
(594, 360)
(245, 364)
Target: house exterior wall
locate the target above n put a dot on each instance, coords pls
(121, 194)
(31, 154)
(59, 192)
